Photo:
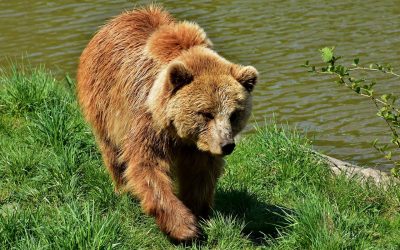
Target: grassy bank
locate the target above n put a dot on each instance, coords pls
(56, 194)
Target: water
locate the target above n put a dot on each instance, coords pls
(274, 36)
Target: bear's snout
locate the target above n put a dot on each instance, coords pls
(228, 147)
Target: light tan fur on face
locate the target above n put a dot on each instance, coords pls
(161, 104)
(213, 89)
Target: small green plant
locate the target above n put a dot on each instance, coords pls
(386, 105)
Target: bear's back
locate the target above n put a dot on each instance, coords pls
(120, 64)
(114, 56)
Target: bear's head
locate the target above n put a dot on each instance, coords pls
(204, 99)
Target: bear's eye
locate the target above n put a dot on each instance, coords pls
(207, 115)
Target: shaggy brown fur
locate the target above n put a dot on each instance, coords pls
(164, 108)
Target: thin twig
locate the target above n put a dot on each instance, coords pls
(348, 86)
(373, 69)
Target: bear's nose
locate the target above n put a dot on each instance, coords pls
(228, 148)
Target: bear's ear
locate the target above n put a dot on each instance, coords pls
(179, 75)
(247, 76)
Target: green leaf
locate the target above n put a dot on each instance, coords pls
(340, 81)
(369, 92)
(372, 84)
(394, 98)
(356, 61)
(360, 80)
(395, 171)
(388, 155)
(327, 54)
(306, 64)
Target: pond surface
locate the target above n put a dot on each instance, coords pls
(274, 36)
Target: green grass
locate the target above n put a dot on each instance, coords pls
(275, 194)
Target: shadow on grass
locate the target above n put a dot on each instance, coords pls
(262, 220)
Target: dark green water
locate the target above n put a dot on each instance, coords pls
(274, 36)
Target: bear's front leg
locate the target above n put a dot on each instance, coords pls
(150, 182)
(197, 186)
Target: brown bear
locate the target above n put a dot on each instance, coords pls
(165, 109)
